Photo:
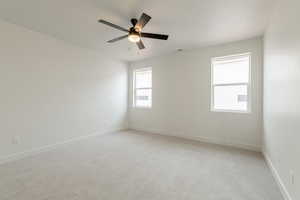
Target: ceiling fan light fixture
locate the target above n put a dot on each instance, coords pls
(134, 38)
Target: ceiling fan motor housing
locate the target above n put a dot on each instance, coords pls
(133, 31)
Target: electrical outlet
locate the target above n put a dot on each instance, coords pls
(292, 177)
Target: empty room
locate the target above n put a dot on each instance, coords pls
(149, 100)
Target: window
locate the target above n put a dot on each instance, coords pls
(142, 83)
(231, 83)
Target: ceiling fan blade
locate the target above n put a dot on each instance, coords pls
(113, 25)
(144, 19)
(155, 36)
(117, 39)
(140, 44)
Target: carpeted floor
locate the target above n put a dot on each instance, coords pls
(136, 166)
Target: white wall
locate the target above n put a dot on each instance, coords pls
(181, 98)
(51, 91)
(282, 93)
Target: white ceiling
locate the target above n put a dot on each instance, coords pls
(189, 23)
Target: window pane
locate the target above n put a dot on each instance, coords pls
(231, 97)
(143, 97)
(143, 79)
(231, 70)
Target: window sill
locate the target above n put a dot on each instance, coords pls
(141, 107)
(231, 111)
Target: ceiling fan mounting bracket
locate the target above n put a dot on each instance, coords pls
(134, 21)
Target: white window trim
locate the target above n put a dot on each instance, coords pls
(134, 88)
(249, 88)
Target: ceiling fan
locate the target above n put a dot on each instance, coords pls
(134, 34)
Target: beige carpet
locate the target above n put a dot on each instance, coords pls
(135, 166)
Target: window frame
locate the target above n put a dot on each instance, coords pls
(135, 89)
(249, 84)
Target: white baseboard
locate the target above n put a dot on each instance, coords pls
(202, 139)
(277, 178)
(31, 152)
